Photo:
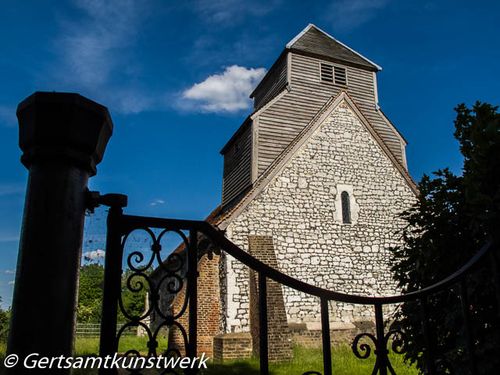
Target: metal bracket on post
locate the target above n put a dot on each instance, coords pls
(94, 199)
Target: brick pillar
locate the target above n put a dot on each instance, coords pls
(208, 308)
(279, 336)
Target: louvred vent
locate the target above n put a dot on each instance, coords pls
(340, 76)
(326, 72)
(333, 74)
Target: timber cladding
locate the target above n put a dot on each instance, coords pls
(273, 83)
(237, 165)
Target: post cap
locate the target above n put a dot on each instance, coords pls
(56, 125)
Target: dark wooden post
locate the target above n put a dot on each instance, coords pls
(63, 137)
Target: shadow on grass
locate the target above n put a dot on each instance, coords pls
(234, 368)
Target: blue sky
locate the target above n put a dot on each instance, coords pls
(176, 77)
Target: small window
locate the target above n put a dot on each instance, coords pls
(346, 207)
(327, 72)
(340, 76)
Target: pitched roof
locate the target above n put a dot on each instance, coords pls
(281, 161)
(316, 42)
(313, 40)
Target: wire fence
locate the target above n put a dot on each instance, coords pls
(94, 330)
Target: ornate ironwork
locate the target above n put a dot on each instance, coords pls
(395, 339)
(180, 273)
(363, 350)
(177, 275)
(139, 281)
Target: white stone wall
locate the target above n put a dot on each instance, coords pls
(300, 208)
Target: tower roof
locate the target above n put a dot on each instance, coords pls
(312, 40)
(315, 42)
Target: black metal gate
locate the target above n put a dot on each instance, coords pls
(192, 232)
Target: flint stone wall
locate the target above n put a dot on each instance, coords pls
(300, 210)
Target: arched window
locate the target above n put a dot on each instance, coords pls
(346, 207)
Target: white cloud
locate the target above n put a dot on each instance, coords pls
(157, 202)
(230, 12)
(94, 255)
(349, 14)
(224, 92)
(10, 272)
(12, 282)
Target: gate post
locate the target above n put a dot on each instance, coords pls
(63, 137)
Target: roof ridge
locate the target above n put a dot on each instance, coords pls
(311, 25)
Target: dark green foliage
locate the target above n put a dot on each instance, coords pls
(134, 289)
(4, 323)
(91, 292)
(453, 217)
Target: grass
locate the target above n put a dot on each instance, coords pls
(343, 363)
(90, 345)
(343, 360)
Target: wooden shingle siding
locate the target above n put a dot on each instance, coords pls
(273, 83)
(281, 122)
(237, 175)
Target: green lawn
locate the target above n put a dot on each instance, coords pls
(90, 345)
(343, 360)
(343, 363)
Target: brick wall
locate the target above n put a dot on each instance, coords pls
(279, 339)
(232, 346)
(208, 308)
(238, 345)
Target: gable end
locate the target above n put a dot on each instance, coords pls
(281, 161)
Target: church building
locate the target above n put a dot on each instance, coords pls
(314, 180)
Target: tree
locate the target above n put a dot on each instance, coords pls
(4, 323)
(91, 294)
(134, 289)
(452, 218)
